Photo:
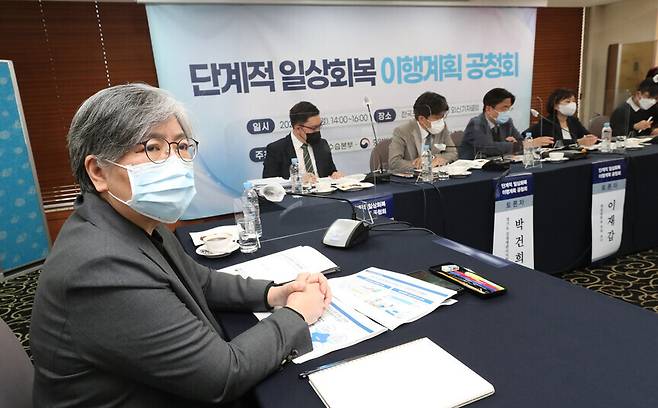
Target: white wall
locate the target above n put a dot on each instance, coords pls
(626, 21)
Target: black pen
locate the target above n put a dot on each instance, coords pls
(305, 374)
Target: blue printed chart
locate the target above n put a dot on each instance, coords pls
(339, 326)
(24, 236)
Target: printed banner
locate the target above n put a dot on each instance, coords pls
(513, 223)
(239, 69)
(608, 192)
(23, 229)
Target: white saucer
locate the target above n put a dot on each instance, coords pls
(354, 186)
(324, 191)
(633, 147)
(460, 174)
(204, 252)
(558, 160)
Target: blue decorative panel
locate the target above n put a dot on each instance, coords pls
(23, 229)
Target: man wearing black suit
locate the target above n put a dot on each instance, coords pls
(304, 143)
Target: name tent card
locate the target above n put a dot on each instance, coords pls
(608, 192)
(513, 223)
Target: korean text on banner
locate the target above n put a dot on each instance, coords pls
(608, 192)
(234, 70)
(513, 223)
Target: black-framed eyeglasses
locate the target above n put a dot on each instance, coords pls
(158, 149)
(314, 129)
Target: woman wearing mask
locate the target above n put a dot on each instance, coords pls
(561, 123)
(636, 114)
(123, 317)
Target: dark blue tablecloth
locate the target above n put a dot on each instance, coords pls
(546, 343)
(463, 209)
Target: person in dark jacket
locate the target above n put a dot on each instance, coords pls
(560, 122)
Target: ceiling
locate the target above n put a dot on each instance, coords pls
(475, 3)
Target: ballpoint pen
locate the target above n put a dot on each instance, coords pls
(305, 374)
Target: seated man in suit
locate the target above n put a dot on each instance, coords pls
(428, 128)
(636, 114)
(492, 133)
(303, 142)
(122, 315)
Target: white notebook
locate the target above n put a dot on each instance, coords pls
(414, 374)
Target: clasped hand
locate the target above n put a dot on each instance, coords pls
(309, 295)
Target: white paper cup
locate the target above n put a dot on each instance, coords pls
(218, 243)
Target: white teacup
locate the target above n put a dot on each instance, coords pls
(323, 187)
(218, 243)
(556, 156)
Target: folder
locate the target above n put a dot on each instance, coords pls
(414, 374)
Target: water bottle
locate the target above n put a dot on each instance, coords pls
(251, 208)
(426, 164)
(606, 138)
(528, 151)
(295, 177)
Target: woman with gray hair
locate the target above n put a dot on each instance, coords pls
(122, 316)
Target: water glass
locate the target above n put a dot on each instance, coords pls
(247, 237)
(442, 173)
(620, 144)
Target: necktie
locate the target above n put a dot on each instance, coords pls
(428, 140)
(495, 132)
(307, 159)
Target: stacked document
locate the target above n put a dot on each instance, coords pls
(369, 303)
(284, 266)
(414, 374)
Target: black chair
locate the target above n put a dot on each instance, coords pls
(457, 136)
(596, 124)
(379, 155)
(16, 371)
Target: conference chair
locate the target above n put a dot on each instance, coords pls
(16, 371)
(596, 124)
(379, 155)
(457, 136)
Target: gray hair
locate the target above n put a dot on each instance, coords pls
(114, 120)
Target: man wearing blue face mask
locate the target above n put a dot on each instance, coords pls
(122, 316)
(492, 133)
(426, 130)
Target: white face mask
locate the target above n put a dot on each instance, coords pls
(437, 126)
(567, 109)
(646, 103)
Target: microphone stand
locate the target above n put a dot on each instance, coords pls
(345, 200)
(541, 124)
(380, 175)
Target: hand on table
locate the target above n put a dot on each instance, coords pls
(588, 140)
(308, 294)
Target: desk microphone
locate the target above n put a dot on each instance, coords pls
(543, 118)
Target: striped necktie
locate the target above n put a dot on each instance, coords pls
(307, 159)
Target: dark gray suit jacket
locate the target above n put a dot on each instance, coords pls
(114, 326)
(479, 139)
